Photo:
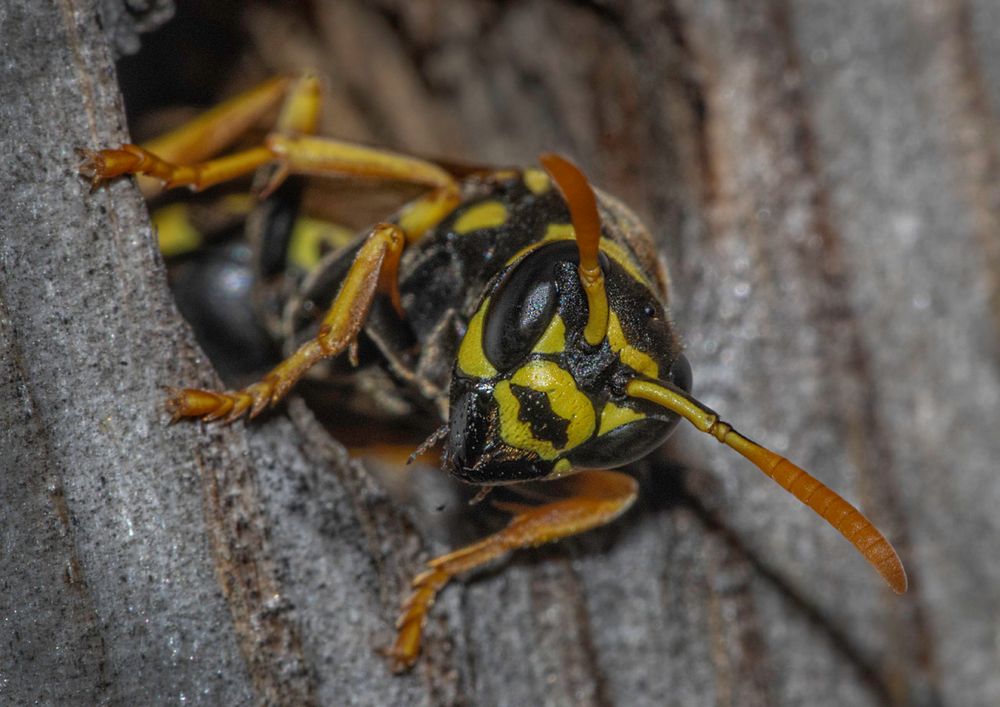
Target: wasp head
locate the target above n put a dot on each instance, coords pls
(532, 398)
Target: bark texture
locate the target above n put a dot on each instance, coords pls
(824, 179)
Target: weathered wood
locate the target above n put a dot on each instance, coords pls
(824, 178)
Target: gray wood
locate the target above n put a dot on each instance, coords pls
(823, 179)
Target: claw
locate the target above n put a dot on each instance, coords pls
(404, 652)
(90, 164)
(399, 661)
(263, 396)
(194, 402)
(413, 615)
(90, 168)
(225, 407)
(101, 165)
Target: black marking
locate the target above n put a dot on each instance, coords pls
(537, 413)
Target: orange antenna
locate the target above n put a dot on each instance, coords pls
(847, 519)
(579, 196)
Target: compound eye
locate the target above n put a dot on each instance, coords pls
(680, 373)
(521, 307)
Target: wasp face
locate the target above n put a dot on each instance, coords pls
(531, 398)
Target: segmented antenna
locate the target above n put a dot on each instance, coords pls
(582, 203)
(847, 519)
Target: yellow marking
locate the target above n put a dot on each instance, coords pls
(537, 181)
(174, 230)
(472, 359)
(554, 232)
(559, 232)
(630, 355)
(592, 281)
(565, 398)
(623, 257)
(488, 214)
(308, 237)
(613, 249)
(426, 212)
(613, 416)
(566, 402)
(553, 339)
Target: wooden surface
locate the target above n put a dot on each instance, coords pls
(824, 179)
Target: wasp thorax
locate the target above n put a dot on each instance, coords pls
(531, 398)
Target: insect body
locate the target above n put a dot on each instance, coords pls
(527, 310)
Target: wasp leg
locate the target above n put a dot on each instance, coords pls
(216, 129)
(374, 269)
(326, 157)
(598, 498)
(209, 134)
(291, 152)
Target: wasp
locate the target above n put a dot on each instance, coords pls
(527, 309)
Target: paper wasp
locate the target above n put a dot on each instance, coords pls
(528, 310)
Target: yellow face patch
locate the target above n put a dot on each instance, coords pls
(564, 398)
(472, 359)
(630, 355)
(613, 416)
(488, 214)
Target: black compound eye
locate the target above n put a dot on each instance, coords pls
(680, 373)
(521, 307)
(649, 311)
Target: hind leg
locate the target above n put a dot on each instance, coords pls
(598, 497)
